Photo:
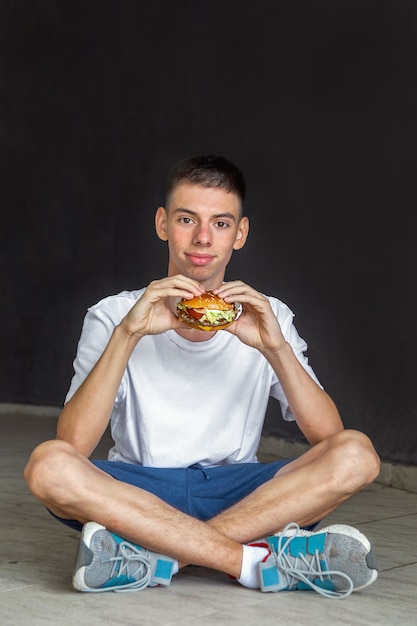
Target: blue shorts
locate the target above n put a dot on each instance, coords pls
(202, 492)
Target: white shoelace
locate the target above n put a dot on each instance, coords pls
(306, 569)
(129, 561)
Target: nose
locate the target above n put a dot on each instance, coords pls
(202, 235)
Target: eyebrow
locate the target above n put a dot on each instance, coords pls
(229, 216)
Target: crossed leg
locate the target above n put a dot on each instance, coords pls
(303, 491)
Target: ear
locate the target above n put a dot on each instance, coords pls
(161, 223)
(242, 233)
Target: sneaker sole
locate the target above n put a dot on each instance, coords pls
(78, 579)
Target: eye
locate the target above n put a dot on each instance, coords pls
(185, 220)
(222, 224)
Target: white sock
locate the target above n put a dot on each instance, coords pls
(175, 567)
(252, 555)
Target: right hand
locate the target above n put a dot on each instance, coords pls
(153, 313)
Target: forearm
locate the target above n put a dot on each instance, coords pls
(86, 416)
(313, 409)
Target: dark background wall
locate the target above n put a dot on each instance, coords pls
(315, 101)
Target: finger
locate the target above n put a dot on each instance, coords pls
(175, 286)
(229, 287)
(240, 292)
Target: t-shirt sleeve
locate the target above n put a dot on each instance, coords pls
(286, 319)
(96, 332)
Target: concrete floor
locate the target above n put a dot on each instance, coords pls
(37, 555)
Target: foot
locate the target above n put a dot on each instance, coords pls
(332, 561)
(106, 562)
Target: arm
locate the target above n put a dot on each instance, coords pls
(85, 417)
(314, 411)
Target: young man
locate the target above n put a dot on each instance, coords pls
(182, 484)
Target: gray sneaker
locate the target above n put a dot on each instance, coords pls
(332, 561)
(106, 562)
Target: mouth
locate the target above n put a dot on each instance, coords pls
(199, 259)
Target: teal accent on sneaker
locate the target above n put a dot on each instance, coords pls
(107, 562)
(163, 571)
(271, 579)
(332, 561)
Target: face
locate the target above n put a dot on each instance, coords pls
(202, 227)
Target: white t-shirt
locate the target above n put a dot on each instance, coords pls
(182, 402)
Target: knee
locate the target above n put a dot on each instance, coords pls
(44, 467)
(358, 457)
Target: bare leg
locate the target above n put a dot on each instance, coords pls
(303, 491)
(73, 488)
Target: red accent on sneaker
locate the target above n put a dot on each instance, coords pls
(261, 544)
(256, 544)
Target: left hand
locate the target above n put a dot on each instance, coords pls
(257, 327)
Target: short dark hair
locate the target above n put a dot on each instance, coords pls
(207, 170)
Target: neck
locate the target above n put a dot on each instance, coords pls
(193, 334)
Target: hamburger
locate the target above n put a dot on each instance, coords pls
(208, 312)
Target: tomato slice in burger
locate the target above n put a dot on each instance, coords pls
(195, 313)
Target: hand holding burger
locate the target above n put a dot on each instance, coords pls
(208, 312)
